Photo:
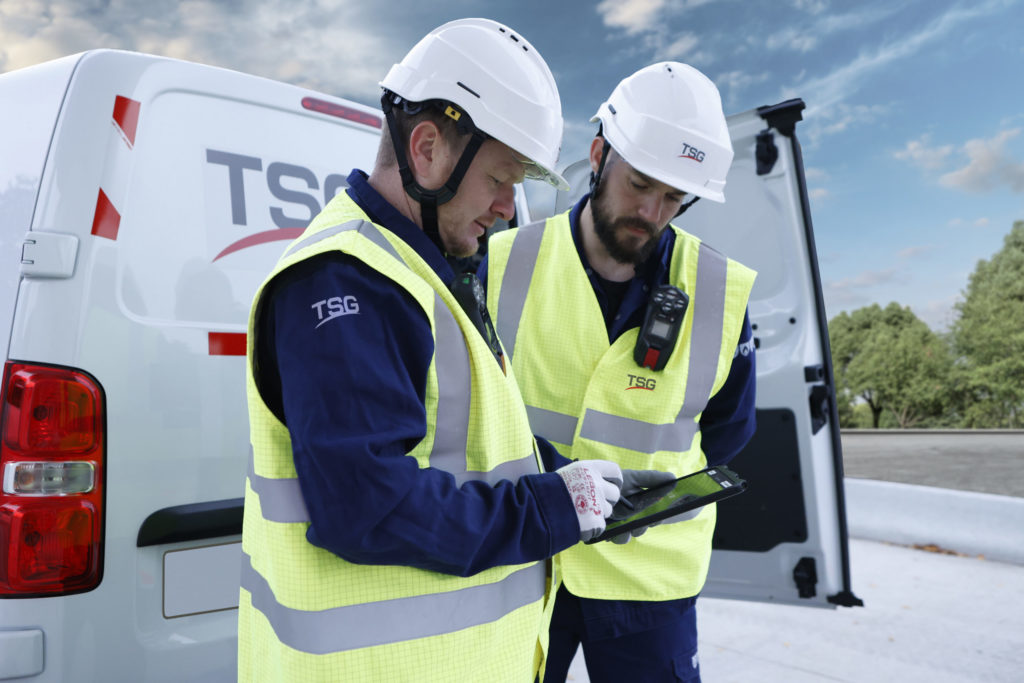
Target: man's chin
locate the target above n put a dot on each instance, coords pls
(461, 251)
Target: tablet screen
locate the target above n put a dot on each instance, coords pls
(686, 493)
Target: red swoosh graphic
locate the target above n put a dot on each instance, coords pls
(646, 388)
(276, 235)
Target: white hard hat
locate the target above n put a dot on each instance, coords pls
(666, 121)
(498, 78)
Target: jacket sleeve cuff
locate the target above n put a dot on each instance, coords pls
(556, 507)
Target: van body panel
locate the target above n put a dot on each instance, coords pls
(31, 100)
(182, 185)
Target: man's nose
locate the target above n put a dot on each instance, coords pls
(505, 203)
(650, 208)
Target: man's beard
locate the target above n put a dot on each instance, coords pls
(606, 228)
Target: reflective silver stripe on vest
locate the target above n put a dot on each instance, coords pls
(515, 285)
(708, 319)
(552, 425)
(451, 358)
(451, 361)
(391, 621)
(280, 499)
(368, 230)
(705, 346)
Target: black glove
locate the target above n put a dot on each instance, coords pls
(634, 481)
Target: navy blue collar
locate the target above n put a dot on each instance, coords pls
(381, 212)
(652, 272)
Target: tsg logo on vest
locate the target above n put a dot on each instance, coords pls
(336, 307)
(638, 382)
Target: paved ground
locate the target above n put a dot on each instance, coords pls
(928, 616)
(982, 461)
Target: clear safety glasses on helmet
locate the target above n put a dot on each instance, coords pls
(497, 78)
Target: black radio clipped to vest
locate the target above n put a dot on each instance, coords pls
(662, 321)
(470, 294)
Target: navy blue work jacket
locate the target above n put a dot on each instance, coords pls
(353, 401)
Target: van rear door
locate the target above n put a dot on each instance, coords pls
(784, 540)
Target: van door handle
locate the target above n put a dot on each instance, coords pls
(192, 522)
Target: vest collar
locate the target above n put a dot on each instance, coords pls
(381, 212)
(652, 272)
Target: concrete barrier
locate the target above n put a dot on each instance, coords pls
(961, 521)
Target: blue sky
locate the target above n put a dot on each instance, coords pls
(913, 135)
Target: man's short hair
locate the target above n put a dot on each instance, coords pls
(432, 111)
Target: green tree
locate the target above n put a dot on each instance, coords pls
(988, 337)
(892, 361)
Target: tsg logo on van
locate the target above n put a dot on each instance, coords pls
(245, 190)
(335, 307)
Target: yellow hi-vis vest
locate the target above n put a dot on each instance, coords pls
(592, 400)
(305, 614)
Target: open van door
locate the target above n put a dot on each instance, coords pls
(785, 540)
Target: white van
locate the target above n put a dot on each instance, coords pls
(142, 200)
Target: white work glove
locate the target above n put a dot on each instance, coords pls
(634, 481)
(593, 486)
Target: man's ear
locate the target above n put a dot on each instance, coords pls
(596, 148)
(428, 155)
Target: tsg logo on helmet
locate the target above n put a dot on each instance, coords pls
(690, 152)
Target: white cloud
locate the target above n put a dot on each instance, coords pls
(680, 47)
(815, 173)
(841, 116)
(869, 278)
(811, 6)
(919, 153)
(819, 193)
(808, 36)
(649, 20)
(732, 84)
(855, 291)
(989, 167)
(795, 39)
(981, 223)
(635, 16)
(916, 251)
(832, 90)
(274, 38)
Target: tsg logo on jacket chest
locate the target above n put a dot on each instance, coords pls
(638, 382)
(335, 307)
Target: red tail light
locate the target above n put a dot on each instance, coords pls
(51, 469)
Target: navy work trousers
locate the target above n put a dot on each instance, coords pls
(667, 652)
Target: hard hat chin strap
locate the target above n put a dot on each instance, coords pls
(595, 178)
(686, 205)
(429, 200)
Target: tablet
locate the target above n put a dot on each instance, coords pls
(674, 497)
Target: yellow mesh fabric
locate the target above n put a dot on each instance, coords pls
(565, 364)
(304, 577)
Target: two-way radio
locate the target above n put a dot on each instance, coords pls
(470, 294)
